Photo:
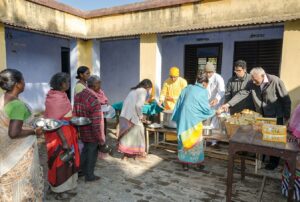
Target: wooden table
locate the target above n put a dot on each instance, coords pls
(156, 131)
(248, 140)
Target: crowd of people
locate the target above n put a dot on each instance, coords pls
(192, 104)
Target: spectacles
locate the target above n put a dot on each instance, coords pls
(238, 70)
(173, 77)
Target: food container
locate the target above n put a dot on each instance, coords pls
(274, 133)
(167, 121)
(231, 128)
(207, 130)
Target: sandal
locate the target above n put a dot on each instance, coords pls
(72, 192)
(199, 167)
(62, 196)
(185, 167)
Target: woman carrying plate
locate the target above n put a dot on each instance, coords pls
(62, 175)
(21, 177)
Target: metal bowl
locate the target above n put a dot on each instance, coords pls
(47, 124)
(80, 121)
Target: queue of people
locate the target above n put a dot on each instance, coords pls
(191, 104)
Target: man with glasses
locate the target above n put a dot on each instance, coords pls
(270, 99)
(239, 82)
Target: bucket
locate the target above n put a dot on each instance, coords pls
(167, 122)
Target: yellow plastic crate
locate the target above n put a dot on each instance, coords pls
(274, 133)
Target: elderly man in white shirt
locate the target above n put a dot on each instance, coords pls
(216, 92)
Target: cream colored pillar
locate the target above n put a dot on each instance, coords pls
(150, 61)
(2, 47)
(290, 66)
(85, 53)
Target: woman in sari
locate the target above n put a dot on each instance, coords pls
(21, 176)
(191, 109)
(131, 130)
(294, 128)
(62, 176)
(83, 73)
(103, 101)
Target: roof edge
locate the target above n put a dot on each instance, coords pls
(134, 7)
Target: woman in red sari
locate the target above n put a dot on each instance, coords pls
(62, 176)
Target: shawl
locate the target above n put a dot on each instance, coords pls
(57, 104)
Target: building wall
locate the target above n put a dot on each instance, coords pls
(201, 15)
(30, 15)
(290, 69)
(2, 47)
(173, 46)
(120, 64)
(38, 57)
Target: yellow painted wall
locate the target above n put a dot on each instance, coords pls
(2, 48)
(290, 66)
(85, 53)
(22, 13)
(148, 54)
(204, 14)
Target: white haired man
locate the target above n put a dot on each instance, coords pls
(270, 99)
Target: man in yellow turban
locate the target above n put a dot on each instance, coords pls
(170, 92)
(171, 89)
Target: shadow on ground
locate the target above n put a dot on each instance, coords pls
(160, 178)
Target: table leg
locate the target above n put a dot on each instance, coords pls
(257, 162)
(243, 166)
(147, 141)
(292, 165)
(229, 175)
(156, 138)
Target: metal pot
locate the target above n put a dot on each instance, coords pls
(167, 122)
(207, 131)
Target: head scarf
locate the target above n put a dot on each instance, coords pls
(174, 71)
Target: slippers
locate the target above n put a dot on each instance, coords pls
(199, 168)
(62, 196)
(72, 192)
(185, 167)
(95, 178)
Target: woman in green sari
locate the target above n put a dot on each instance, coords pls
(21, 177)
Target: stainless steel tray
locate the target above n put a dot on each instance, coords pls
(80, 121)
(47, 124)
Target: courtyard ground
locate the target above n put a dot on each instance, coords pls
(160, 178)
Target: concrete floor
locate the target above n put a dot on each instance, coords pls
(160, 178)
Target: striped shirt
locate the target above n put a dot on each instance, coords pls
(87, 105)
